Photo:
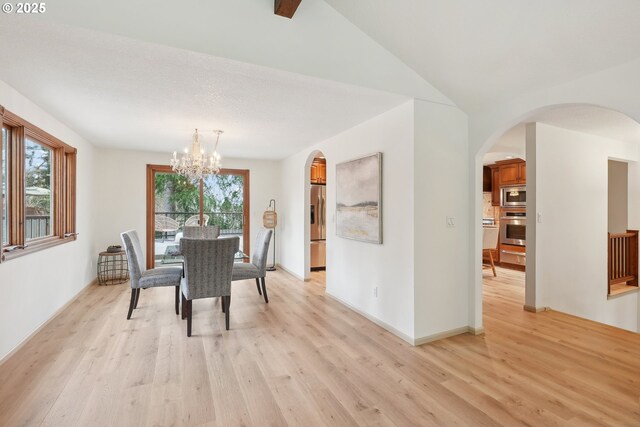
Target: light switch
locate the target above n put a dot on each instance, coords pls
(451, 222)
(539, 217)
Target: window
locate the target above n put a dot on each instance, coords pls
(174, 202)
(38, 200)
(5, 201)
(38, 188)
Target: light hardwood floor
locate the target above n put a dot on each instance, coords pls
(306, 360)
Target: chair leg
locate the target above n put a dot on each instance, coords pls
(189, 317)
(131, 303)
(227, 302)
(184, 307)
(222, 303)
(177, 299)
(135, 304)
(258, 286)
(493, 266)
(264, 290)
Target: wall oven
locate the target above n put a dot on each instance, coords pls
(513, 228)
(513, 197)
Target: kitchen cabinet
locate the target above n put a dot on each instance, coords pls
(512, 172)
(495, 185)
(486, 179)
(319, 171)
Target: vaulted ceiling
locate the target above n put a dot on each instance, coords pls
(479, 52)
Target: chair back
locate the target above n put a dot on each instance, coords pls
(261, 249)
(132, 247)
(490, 237)
(195, 220)
(208, 266)
(164, 223)
(197, 232)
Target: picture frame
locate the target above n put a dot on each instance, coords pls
(359, 199)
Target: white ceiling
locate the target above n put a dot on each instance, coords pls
(580, 118)
(124, 93)
(478, 52)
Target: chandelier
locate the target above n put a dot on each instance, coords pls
(196, 163)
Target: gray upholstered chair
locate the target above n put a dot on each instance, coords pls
(197, 232)
(208, 265)
(141, 278)
(257, 268)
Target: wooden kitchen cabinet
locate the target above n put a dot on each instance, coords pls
(319, 171)
(322, 173)
(495, 185)
(512, 172)
(509, 174)
(522, 172)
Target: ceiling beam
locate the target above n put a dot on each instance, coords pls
(286, 8)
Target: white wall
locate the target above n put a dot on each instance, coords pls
(618, 196)
(35, 286)
(419, 268)
(122, 187)
(571, 194)
(440, 190)
(355, 268)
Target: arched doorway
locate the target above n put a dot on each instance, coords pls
(316, 217)
(542, 215)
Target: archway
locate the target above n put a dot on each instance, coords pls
(315, 214)
(532, 293)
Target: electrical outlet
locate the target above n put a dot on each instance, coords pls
(451, 222)
(540, 217)
(375, 291)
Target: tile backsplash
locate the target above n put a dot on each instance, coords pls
(489, 211)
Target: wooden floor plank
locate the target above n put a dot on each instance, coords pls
(305, 359)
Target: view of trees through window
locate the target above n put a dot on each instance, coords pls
(177, 204)
(223, 201)
(38, 200)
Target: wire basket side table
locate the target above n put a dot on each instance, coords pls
(113, 268)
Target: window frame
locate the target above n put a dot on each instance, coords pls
(63, 191)
(2, 183)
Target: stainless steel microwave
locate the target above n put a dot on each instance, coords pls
(513, 197)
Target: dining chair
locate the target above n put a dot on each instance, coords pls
(257, 268)
(490, 244)
(197, 232)
(208, 266)
(140, 277)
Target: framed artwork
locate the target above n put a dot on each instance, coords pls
(359, 199)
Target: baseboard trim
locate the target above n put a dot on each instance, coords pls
(476, 331)
(373, 319)
(533, 309)
(448, 334)
(292, 273)
(46, 322)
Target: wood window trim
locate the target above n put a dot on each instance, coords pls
(63, 185)
(151, 202)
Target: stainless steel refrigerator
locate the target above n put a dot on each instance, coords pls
(318, 226)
